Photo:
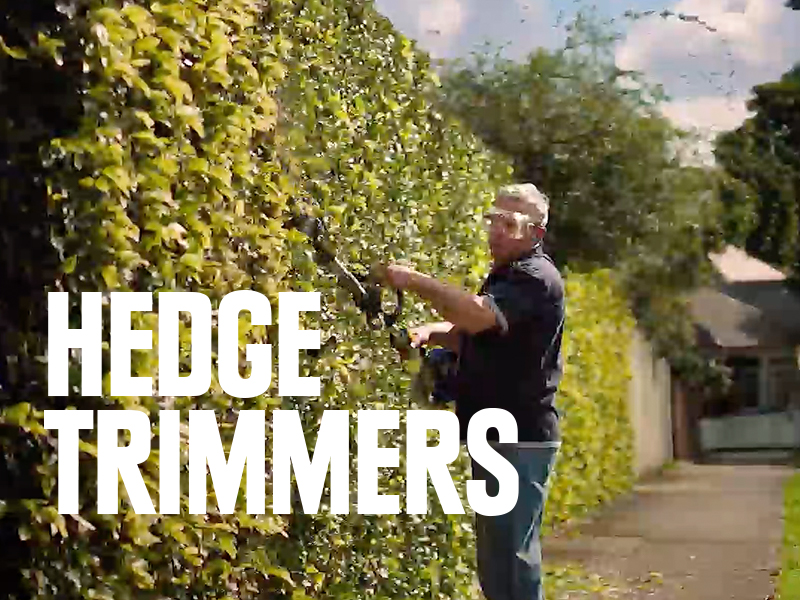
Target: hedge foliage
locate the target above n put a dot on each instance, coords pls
(154, 146)
(596, 461)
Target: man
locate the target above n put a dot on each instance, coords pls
(508, 341)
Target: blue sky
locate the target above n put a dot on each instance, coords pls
(708, 75)
(450, 28)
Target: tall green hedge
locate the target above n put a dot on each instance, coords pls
(596, 461)
(154, 146)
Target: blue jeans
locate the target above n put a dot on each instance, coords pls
(509, 552)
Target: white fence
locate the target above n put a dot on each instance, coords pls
(768, 431)
(650, 405)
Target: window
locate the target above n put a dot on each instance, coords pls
(784, 383)
(745, 387)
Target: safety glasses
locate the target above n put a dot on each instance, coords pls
(507, 218)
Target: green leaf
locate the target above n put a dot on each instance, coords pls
(17, 53)
(147, 44)
(179, 89)
(280, 573)
(70, 264)
(139, 17)
(110, 276)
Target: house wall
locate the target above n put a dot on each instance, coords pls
(650, 406)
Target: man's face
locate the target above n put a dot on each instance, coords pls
(507, 237)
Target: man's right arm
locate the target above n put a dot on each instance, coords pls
(443, 334)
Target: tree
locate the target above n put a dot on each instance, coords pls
(594, 139)
(569, 130)
(764, 152)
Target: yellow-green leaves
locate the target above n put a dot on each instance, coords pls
(198, 122)
(596, 461)
(17, 53)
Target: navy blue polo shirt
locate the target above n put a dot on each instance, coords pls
(516, 365)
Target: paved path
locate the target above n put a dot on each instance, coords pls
(711, 532)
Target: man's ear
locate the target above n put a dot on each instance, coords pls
(534, 232)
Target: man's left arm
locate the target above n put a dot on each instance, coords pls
(518, 299)
(467, 311)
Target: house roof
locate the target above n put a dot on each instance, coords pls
(734, 264)
(751, 307)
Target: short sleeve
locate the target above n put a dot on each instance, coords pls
(516, 299)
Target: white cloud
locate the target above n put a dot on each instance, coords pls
(435, 24)
(709, 114)
(754, 42)
(706, 117)
(443, 16)
(709, 75)
(456, 28)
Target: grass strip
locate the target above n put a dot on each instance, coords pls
(789, 581)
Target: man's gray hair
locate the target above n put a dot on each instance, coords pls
(537, 205)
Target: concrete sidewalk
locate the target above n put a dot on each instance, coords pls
(706, 532)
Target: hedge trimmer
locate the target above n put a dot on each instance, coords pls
(437, 365)
(364, 289)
